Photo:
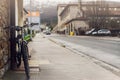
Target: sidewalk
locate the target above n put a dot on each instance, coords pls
(50, 61)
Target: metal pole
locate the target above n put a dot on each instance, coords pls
(12, 35)
(30, 27)
(40, 20)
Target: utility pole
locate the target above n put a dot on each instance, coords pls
(30, 27)
(12, 35)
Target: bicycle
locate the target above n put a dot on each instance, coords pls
(22, 53)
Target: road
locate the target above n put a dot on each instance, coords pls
(105, 50)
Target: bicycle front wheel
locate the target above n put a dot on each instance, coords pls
(25, 59)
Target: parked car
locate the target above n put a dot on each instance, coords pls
(48, 33)
(102, 32)
(95, 33)
(44, 32)
(90, 31)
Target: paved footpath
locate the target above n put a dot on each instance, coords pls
(50, 61)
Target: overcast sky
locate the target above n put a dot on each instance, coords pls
(46, 1)
(54, 2)
(49, 1)
(67, 0)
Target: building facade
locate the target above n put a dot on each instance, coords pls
(11, 14)
(4, 36)
(71, 19)
(77, 18)
(103, 14)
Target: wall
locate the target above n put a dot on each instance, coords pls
(75, 12)
(16, 19)
(11, 14)
(4, 36)
(81, 24)
(71, 12)
(60, 9)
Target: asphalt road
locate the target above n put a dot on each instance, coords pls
(105, 50)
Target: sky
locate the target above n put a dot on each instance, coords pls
(53, 2)
(47, 2)
(59, 1)
(67, 0)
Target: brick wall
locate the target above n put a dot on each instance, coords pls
(4, 36)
